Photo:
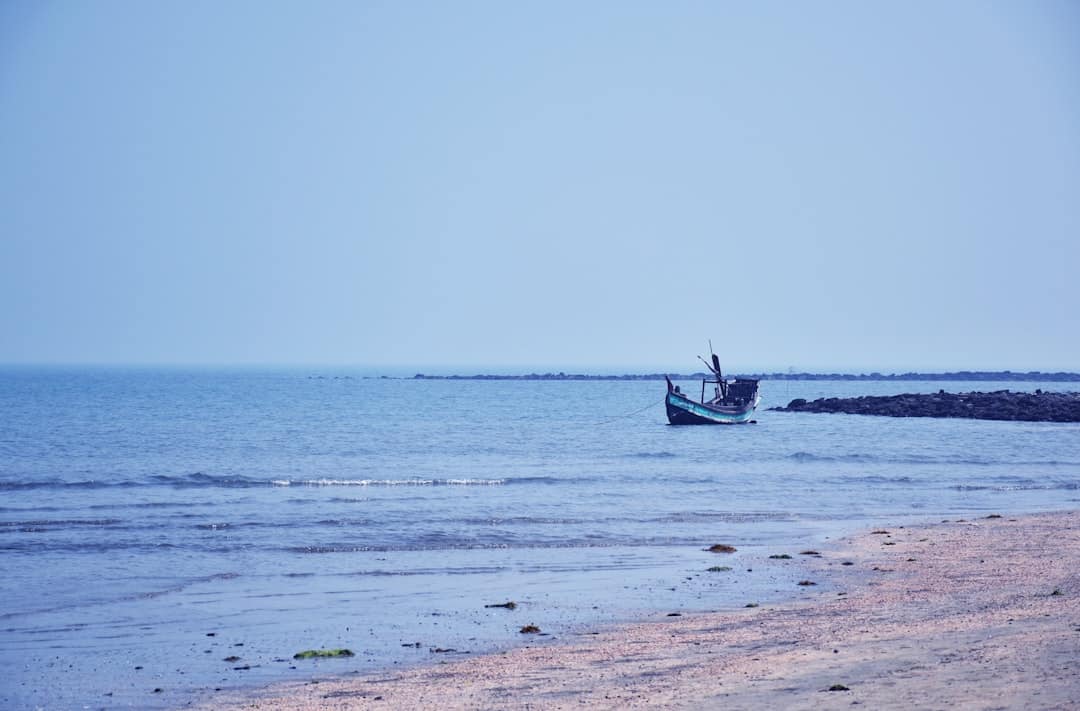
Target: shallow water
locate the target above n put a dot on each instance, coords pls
(156, 522)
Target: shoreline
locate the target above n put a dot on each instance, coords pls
(983, 613)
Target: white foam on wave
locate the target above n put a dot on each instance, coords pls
(389, 482)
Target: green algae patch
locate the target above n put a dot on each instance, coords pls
(506, 605)
(320, 653)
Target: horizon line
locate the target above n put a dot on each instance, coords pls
(495, 371)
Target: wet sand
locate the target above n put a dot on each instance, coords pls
(977, 614)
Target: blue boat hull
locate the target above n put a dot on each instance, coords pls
(684, 411)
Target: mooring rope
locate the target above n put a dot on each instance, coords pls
(631, 414)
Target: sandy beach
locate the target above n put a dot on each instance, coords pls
(975, 614)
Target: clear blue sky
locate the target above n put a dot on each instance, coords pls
(829, 185)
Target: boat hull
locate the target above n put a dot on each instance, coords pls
(684, 411)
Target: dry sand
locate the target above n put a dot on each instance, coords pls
(979, 614)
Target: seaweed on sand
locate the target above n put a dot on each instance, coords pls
(318, 653)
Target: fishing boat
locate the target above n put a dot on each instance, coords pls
(732, 402)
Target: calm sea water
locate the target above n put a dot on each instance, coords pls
(154, 523)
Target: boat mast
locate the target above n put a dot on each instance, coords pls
(721, 390)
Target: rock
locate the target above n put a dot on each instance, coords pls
(999, 405)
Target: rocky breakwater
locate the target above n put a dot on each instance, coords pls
(1038, 406)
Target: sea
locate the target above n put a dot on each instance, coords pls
(170, 534)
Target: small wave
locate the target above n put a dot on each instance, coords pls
(811, 457)
(32, 545)
(186, 584)
(544, 480)
(25, 509)
(388, 482)
(26, 485)
(862, 458)
(462, 544)
(651, 455)
(464, 570)
(722, 516)
(230, 526)
(52, 524)
(144, 595)
(188, 481)
(530, 520)
(1040, 486)
(200, 480)
(344, 522)
(875, 479)
(340, 549)
(155, 505)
